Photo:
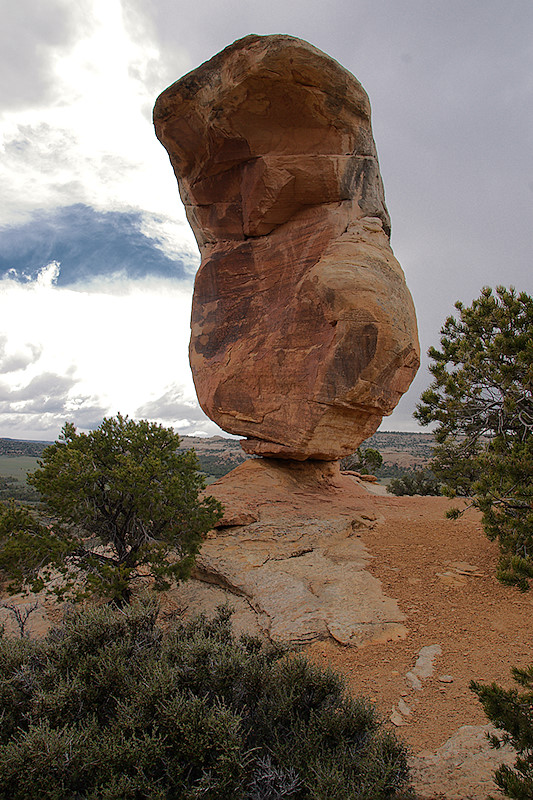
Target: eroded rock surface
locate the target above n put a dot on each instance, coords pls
(303, 330)
(462, 768)
(298, 571)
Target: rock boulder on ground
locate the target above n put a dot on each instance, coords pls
(303, 330)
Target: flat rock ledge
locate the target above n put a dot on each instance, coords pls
(462, 768)
(298, 571)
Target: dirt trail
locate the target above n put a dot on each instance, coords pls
(442, 573)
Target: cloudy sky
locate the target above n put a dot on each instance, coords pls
(96, 258)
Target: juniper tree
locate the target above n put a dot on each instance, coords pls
(363, 461)
(481, 398)
(126, 504)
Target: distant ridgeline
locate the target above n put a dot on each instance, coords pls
(218, 455)
(400, 451)
(417, 444)
(22, 447)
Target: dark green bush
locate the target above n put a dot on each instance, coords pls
(421, 481)
(363, 461)
(109, 706)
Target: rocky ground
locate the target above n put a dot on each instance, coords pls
(442, 573)
(436, 618)
(404, 602)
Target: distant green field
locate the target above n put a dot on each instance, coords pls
(17, 467)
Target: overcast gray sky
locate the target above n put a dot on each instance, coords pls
(96, 258)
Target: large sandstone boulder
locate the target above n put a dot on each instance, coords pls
(303, 330)
(463, 767)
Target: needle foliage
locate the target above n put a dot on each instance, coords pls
(122, 504)
(481, 398)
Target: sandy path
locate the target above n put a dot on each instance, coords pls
(482, 627)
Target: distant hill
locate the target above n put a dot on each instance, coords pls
(22, 447)
(400, 451)
(218, 455)
(407, 450)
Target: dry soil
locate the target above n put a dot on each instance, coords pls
(442, 573)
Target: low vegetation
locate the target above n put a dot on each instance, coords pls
(366, 462)
(111, 706)
(421, 482)
(119, 505)
(13, 489)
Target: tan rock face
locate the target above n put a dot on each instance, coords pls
(299, 562)
(303, 330)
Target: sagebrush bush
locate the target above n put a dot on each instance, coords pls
(109, 706)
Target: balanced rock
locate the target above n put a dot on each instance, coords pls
(303, 330)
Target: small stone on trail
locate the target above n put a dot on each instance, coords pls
(415, 682)
(403, 707)
(424, 664)
(445, 679)
(396, 718)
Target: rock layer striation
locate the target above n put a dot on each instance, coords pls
(303, 329)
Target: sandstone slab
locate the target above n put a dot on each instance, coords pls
(301, 567)
(304, 579)
(303, 330)
(462, 768)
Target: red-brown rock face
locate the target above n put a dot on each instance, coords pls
(303, 330)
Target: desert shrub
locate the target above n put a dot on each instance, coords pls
(512, 711)
(363, 461)
(11, 489)
(110, 706)
(421, 481)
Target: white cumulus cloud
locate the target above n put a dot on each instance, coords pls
(69, 352)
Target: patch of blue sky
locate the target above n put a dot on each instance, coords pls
(88, 244)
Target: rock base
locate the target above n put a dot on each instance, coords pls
(298, 571)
